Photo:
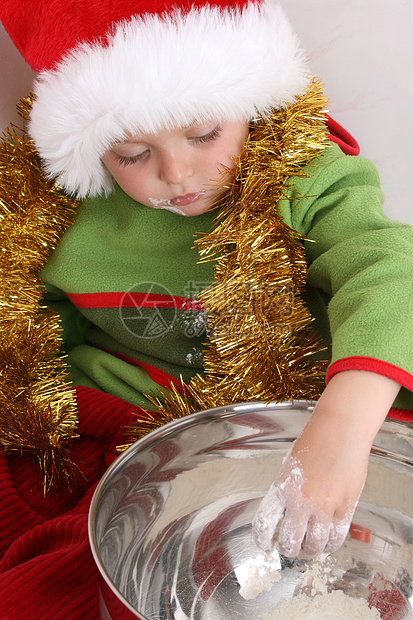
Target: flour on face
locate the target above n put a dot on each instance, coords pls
(166, 205)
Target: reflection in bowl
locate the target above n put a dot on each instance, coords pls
(170, 522)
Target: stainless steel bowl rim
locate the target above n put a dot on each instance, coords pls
(227, 411)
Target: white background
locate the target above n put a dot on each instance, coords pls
(363, 51)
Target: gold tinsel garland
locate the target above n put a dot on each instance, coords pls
(37, 404)
(260, 339)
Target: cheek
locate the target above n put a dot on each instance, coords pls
(128, 178)
(137, 186)
(231, 152)
(227, 157)
(221, 158)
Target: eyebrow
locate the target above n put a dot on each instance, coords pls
(126, 143)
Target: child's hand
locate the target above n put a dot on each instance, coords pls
(313, 498)
(311, 503)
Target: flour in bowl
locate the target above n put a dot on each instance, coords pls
(331, 606)
(258, 574)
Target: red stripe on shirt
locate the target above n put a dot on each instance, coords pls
(160, 377)
(133, 300)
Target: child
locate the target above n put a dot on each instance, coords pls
(142, 113)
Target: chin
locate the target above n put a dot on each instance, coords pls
(194, 209)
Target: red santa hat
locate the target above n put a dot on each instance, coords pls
(108, 67)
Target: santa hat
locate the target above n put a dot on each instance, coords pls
(108, 67)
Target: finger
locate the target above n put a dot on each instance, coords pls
(317, 534)
(292, 531)
(267, 517)
(338, 532)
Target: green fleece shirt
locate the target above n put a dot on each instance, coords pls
(125, 279)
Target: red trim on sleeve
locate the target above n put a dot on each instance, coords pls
(132, 300)
(343, 138)
(359, 362)
(404, 415)
(380, 368)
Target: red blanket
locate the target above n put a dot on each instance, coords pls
(46, 569)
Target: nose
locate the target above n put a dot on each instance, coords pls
(175, 168)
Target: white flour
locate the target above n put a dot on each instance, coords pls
(317, 574)
(258, 574)
(221, 477)
(332, 606)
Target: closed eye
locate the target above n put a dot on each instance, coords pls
(208, 137)
(123, 160)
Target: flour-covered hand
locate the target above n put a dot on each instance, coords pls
(294, 521)
(310, 505)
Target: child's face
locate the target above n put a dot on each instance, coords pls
(181, 169)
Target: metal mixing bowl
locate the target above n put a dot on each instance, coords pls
(170, 522)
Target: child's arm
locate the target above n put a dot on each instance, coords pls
(311, 503)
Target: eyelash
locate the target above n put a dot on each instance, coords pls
(212, 135)
(209, 137)
(128, 161)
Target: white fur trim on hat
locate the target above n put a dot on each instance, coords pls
(162, 71)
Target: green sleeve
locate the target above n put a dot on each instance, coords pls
(74, 324)
(359, 259)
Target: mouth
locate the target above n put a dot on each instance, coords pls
(175, 204)
(183, 201)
